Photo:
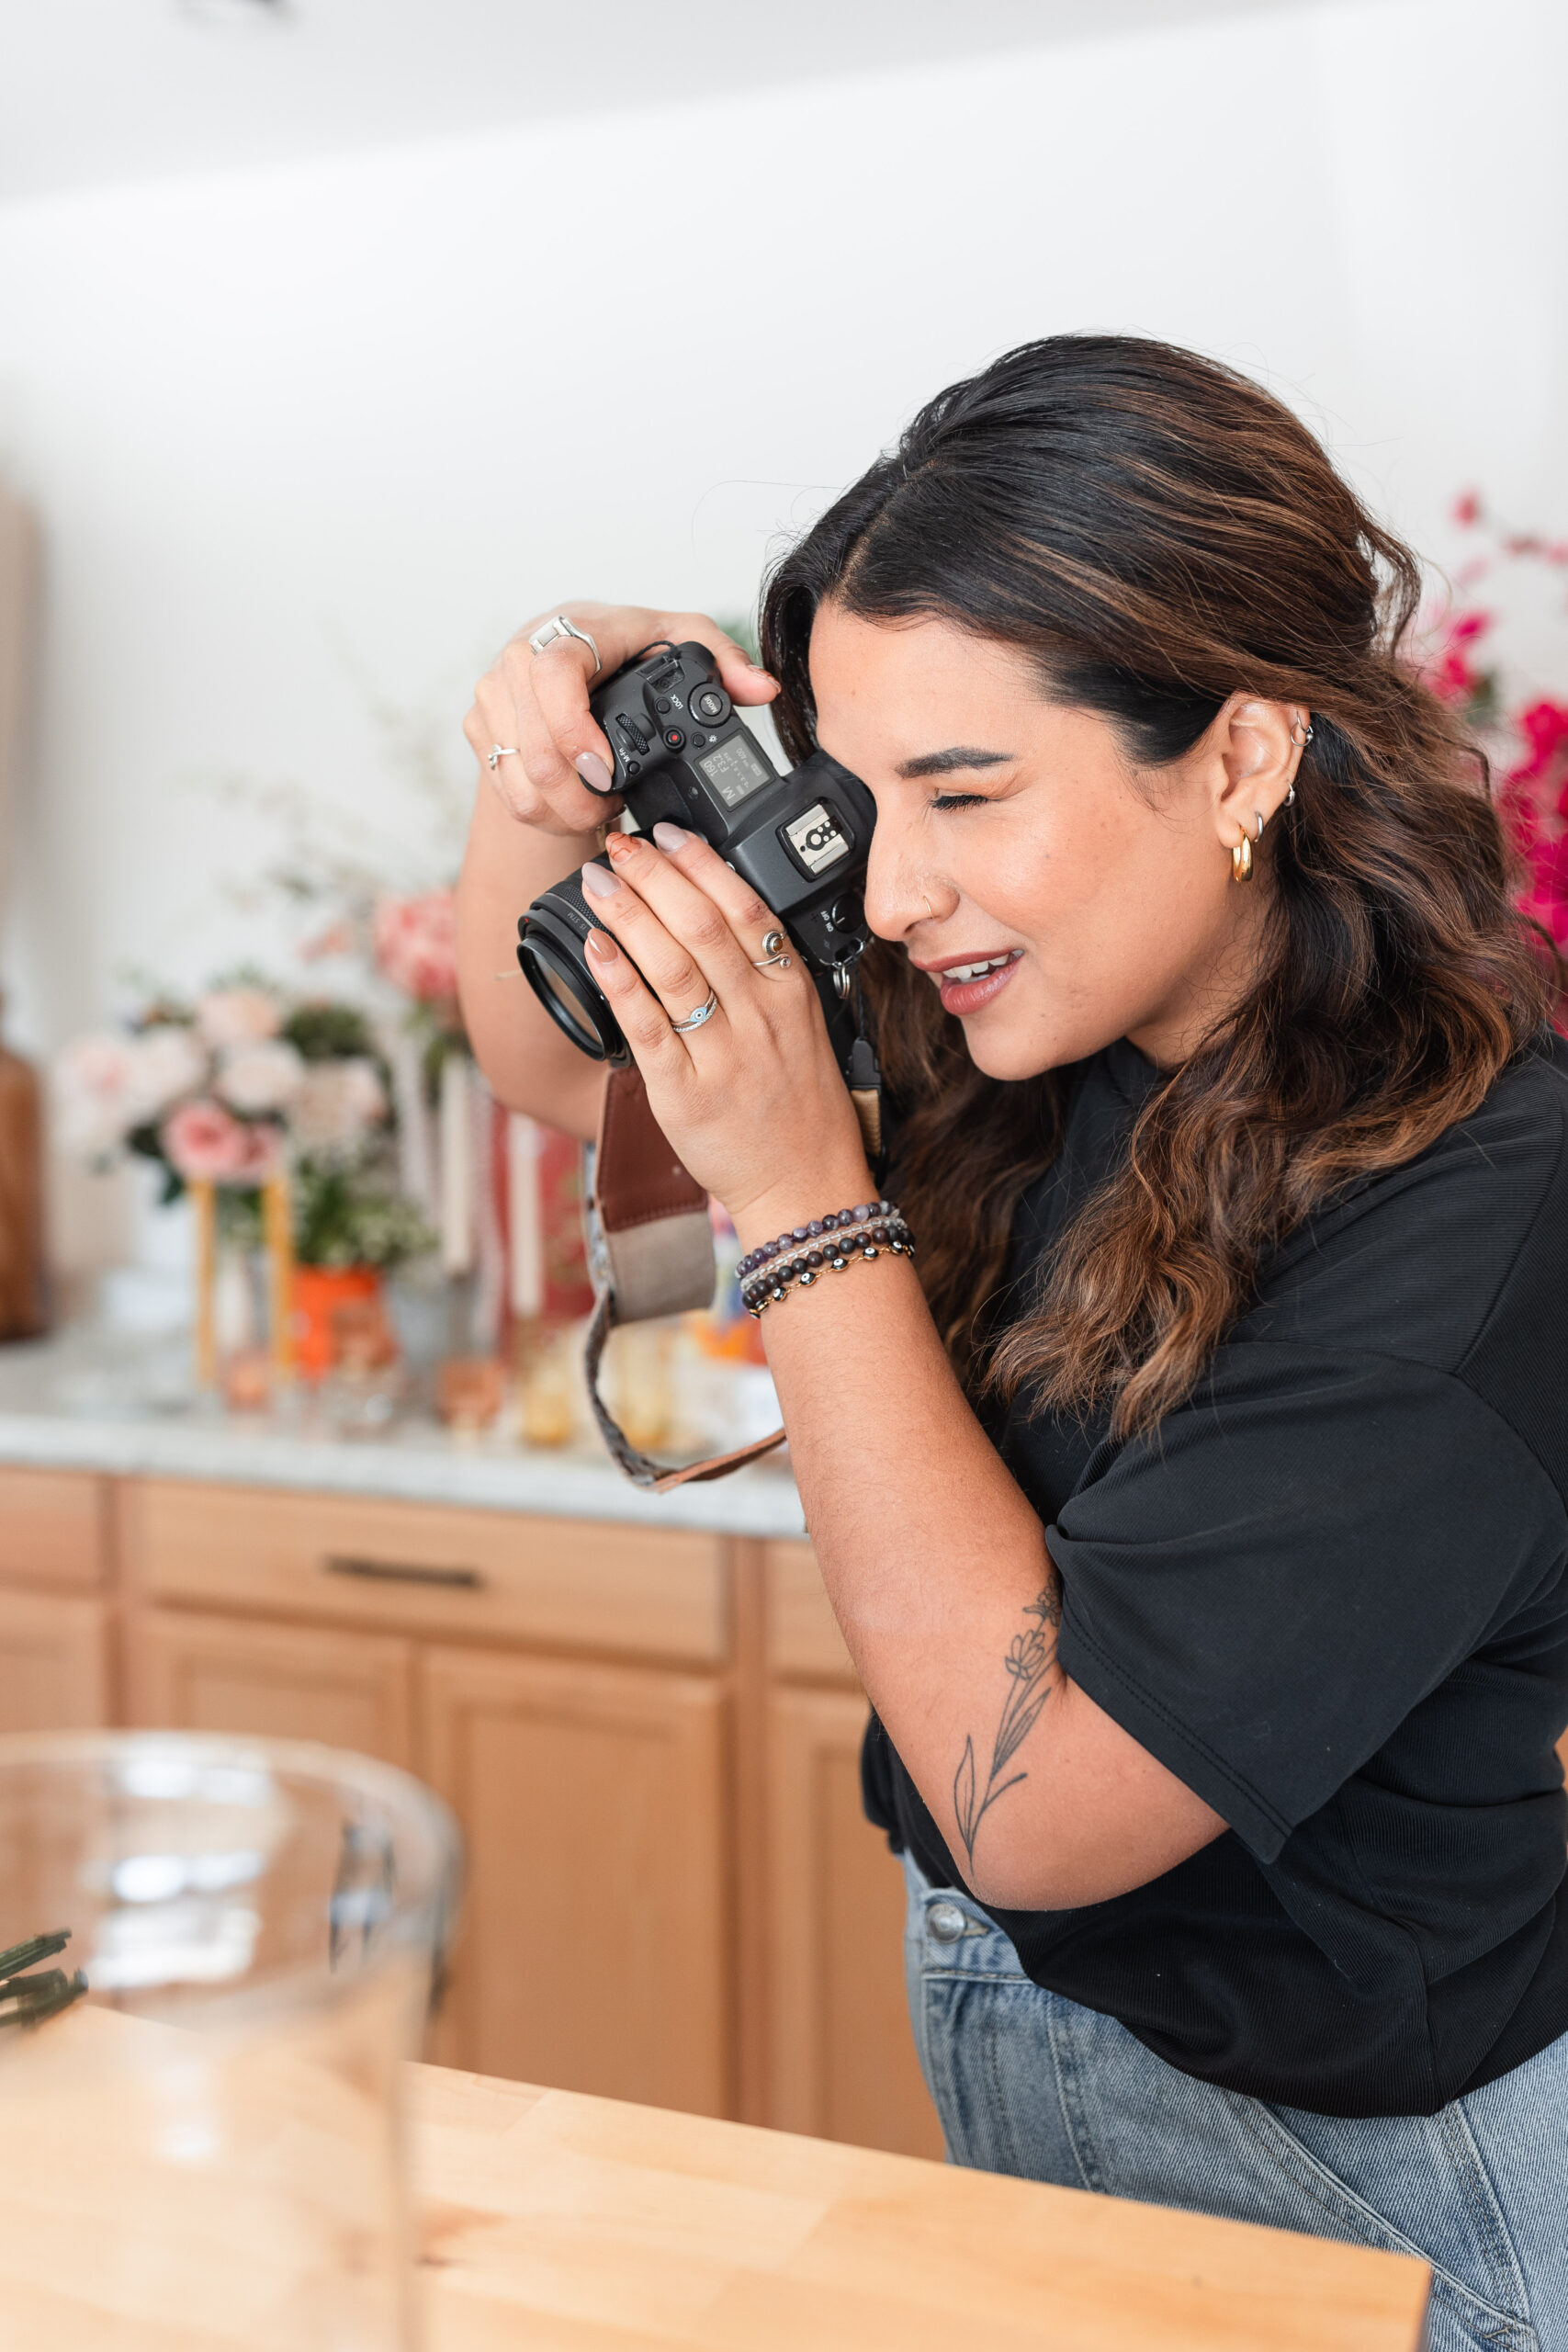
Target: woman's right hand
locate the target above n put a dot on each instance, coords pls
(537, 705)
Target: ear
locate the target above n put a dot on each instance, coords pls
(1256, 767)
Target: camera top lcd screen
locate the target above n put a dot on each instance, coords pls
(735, 770)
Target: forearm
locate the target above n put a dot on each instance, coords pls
(938, 1570)
(530, 1065)
(931, 1555)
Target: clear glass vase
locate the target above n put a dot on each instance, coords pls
(215, 1955)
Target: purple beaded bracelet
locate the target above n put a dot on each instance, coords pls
(829, 1242)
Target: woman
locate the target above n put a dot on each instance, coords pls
(1196, 1516)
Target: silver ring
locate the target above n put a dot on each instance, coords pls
(694, 1020)
(558, 628)
(501, 751)
(772, 942)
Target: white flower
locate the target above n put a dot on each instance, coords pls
(93, 1093)
(166, 1062)
(336, 1106)
(261, 1076)
(237, 1016)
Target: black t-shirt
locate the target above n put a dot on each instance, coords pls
(1331, 1596)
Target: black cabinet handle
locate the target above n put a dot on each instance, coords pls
(343, 1563)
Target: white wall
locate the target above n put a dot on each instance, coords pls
(393, 403)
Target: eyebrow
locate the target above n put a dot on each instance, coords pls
(958, 755)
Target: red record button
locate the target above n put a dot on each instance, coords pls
(674, 739)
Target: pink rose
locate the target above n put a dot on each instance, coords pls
(207, 1144)
(237, 1016)
(416, 946)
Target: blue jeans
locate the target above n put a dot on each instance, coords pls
(1027, 2083)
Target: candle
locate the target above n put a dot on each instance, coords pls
(456, 1183)
(525, 1225)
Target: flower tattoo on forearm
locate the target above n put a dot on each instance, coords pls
(1028, 1662)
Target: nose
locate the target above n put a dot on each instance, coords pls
(899, 892)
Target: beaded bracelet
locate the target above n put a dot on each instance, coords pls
(832, 1241)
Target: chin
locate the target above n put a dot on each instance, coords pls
(1014, 1050)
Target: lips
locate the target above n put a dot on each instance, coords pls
(977, 981)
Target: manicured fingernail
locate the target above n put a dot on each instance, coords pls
(759, 671)
(599, 883)
(670, 837)
(593, 772)
(602, 947)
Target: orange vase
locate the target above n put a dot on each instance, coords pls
(319, 1291)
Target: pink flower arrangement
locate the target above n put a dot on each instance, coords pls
(207, 1144)
(416, 946)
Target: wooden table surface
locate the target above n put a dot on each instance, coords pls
(584, 2226)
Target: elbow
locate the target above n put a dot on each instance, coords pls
(1064, 1879)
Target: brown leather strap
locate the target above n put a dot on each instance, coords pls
(638, 1179)
(650, 1252)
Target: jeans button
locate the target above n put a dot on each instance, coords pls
(946, 1922)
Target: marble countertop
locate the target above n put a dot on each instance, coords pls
(93, 1400)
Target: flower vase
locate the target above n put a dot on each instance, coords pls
(320, 1292)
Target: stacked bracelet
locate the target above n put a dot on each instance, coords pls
(832, 1241)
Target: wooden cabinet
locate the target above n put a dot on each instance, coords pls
(841, 2054)
(649, 1739)
(55, 1643)
(52, 1529)
(55, 1662)
(594, 1947)
(421, 1568)
(210, 1673)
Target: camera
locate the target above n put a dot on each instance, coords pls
(684, 756)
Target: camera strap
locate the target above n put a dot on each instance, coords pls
(649, 1252)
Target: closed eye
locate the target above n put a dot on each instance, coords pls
(959, 800)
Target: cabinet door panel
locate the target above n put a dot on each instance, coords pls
(53, 1662)
(843, 2055)
(51, 1527)
(802, 1633)
(593, 1946)
(230, 1674)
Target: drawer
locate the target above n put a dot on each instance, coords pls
(417, 1567)
(803, 1639)
(52, 1528)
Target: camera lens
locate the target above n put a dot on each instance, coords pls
(550, 952)
(566, 1008)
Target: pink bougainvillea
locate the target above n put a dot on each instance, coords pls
(416, 946)
(1524, 734)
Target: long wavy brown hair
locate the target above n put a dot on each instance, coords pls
(1159, 532)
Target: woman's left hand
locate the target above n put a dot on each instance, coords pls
(753, 1101)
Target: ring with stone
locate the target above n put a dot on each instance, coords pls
(694, 1020)
(772, 945)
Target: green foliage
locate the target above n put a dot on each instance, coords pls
(354, 1216)
(324, 1030)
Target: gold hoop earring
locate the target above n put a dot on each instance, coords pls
(1241, 860)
